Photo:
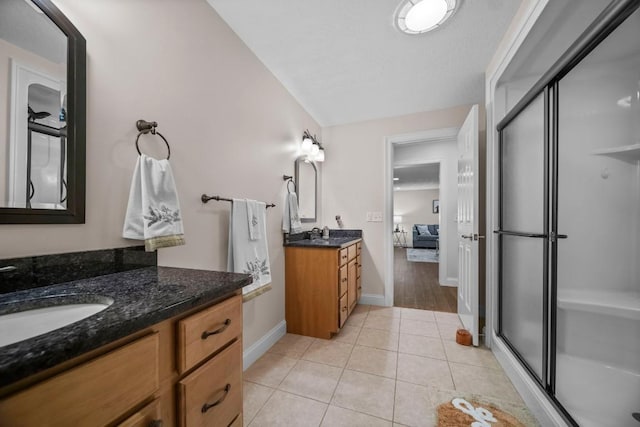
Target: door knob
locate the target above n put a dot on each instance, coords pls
(467, 236)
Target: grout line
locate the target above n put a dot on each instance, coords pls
(263, 404)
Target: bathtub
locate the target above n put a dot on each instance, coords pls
(598, 357)
(597, 395)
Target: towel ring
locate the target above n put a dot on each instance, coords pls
(150, 127)
(289, 180)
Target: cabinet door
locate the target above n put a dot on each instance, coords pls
(95, 393)
(343, 277)
(343, 308)
(359, 278)
(352, 283)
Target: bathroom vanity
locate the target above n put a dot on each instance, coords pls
(323, 282)
(167, 351)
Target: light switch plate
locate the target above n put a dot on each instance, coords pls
(374, 216)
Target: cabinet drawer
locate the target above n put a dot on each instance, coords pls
(359, 270)
(95, 393)
(343, 256)
(145, 417)
(201, 334)
(359, 248)
(351, 252)
(343, 308)
(212, 394)
(342, 280)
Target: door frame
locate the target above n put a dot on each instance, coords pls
(429, 136)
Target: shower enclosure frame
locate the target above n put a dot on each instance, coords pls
(548, 86)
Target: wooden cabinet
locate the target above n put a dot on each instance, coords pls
(95, 393)
(322, 288)
(168, 373)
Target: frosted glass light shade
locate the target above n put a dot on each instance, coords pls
(320, 156)
(315, 149)
(423, 16)
(397, 219)
(305, 147)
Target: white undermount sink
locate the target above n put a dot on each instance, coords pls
(21, 325)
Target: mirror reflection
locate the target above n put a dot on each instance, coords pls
(306, 184)
(33, 110)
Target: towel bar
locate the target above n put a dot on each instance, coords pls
(206, 198)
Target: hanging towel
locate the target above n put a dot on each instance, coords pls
(290, 218)
(246, 255)
(153, 212)
(252, 220)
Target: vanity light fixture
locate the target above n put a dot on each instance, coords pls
(311, 147)
(417, 17)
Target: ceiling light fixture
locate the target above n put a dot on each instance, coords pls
(417, 17)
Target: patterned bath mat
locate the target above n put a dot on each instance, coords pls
(422, 255)
(460, 412)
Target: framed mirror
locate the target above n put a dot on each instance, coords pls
(307, 186)
(42, 115)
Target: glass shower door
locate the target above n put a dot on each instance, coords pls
(523, 225)
(597, 348)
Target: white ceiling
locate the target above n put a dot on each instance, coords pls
(417, 177)
(344, 61)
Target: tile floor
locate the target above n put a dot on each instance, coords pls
(389, 366)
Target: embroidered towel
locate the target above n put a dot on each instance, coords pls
(246, 255)
(153, 212)
(290, 218)
(252, 219)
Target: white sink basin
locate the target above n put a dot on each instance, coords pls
(19, 326)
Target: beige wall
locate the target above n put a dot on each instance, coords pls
(415, 206)
(232, 127)
(354, 177)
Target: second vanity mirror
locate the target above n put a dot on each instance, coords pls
(307, 187)
(42, 115)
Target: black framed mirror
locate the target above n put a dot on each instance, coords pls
(43, 117)
(307, 186)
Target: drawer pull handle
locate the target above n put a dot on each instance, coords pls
(205, 334)
(208, 406)
(344, 308)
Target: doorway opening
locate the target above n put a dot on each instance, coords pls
(416, 237)
(422, 261)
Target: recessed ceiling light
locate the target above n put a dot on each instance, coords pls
(420, 16)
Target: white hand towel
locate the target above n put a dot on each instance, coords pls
(153, 212)
(246, 255)
(252, 219)
(290, 218)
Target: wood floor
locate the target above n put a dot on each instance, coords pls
(416, 285)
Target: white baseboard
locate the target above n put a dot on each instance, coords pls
(372, 299)
(260, 347)
(536, 400)
(450, 281)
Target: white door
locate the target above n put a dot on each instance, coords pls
(468, 198)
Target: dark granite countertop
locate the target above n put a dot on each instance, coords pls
(331, 242)
(142, 298)
(337, 239)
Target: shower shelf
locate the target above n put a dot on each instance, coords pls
(628, 153)
(614, 303)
